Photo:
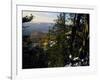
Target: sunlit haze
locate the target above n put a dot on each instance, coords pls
(41, 17)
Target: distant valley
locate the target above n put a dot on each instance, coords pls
(28, 28)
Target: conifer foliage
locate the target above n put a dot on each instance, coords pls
(71, 40)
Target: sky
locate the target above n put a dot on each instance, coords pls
(41, 17)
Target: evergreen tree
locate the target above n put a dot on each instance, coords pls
(71, 41)
(27, 18)
(80, 39)
(57, 35)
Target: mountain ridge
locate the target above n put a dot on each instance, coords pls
(29, 27)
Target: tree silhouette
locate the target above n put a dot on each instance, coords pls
(80, 39)
(57, 36)
(71, 41)
(27, 18)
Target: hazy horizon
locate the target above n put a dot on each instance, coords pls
(41, 17)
